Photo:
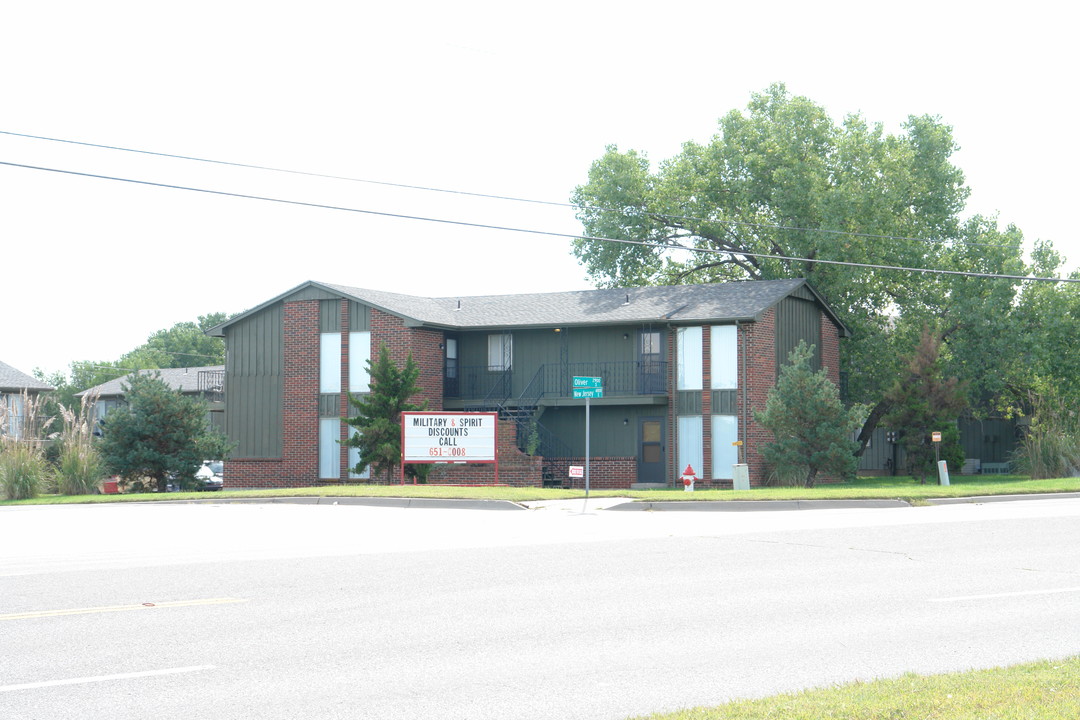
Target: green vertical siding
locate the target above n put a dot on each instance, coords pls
(254, 384)
(329, 316)
(611, 437)
(796, 320)
(570, 346)
(688, 402)
(359, 317)
(725, 402)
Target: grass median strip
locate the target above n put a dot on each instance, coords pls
(870, 488)
(120, 608)
(1047, 690)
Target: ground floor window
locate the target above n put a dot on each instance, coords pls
(354, 459)
(691, 446)
(725, 432)
(329, 448)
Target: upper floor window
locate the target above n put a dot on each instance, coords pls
(688, 353)
(359, 354)
(723, 355)
(451, 358)
(330, 363)
(500, 351)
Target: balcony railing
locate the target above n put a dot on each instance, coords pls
(212, 385)
(555, 380)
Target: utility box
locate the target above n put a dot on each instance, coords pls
(740, 477)
(943, 472)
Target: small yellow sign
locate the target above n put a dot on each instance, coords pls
(737, 443)
(935, 436)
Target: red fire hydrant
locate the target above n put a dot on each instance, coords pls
(688, 479)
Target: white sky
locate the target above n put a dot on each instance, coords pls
(490, 97)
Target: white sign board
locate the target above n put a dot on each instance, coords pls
(428, 437)
(577, 471)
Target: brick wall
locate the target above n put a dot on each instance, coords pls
(757, 347)
(424, 346)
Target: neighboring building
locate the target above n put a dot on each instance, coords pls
(205, 382)
(15, 387)
(683, 368)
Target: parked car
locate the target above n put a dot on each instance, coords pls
(211, 475)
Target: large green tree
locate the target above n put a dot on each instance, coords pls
(159, 433)
(781, 189)
(810, 426)
(923, 401)
(378, 414)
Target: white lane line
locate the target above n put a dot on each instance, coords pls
(992, 596)
(120, 608)
(105, 678)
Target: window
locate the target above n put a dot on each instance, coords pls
(691, 445)
(500, 351)
(330, 363)
(451, 358)
(359, 354)
(354, 458)
(725, 431)
(724, 357)
(689, 358)
(329, 448)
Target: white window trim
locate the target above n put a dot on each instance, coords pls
(500, 352)
(329, 448)
(691, 447)
(330, 363)
(359, 355)
(724, 357)
(724, 454)
(689, 356)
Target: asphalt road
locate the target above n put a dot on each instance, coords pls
(279, 611)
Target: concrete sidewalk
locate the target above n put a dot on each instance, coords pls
(578, 505)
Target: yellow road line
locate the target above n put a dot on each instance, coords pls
(121, 608)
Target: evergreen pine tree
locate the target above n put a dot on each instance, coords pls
(378, 414)
(813, 429)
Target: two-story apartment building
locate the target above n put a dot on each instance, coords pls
(683, 369)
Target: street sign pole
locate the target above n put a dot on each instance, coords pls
(588, 454)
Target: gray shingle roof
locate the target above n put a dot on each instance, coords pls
(723, 302)
(12, 380)
(183, 379)
(675, 303)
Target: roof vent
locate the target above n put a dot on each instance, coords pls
(627, 302)
(458, 304)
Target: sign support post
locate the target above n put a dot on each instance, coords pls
(588, 387)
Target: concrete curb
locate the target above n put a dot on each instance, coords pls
(1002, 498)
(758, 505)
(393, 502)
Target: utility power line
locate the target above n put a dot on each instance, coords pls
(504, 228)
(510, 198)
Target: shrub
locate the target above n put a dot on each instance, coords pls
(1051, 446)
(23, 470)
(79, 466)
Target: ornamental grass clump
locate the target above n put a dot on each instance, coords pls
(79, 466)
(23, 469)
(1051, 446)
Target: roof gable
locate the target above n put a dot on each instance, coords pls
(13, 380)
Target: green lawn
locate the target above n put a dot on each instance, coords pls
(1048, 690)
(864, 488)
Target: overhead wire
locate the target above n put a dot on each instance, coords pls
(488, 196)
(547, 233)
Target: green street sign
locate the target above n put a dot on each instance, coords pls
(588, 382)
(589, 392)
